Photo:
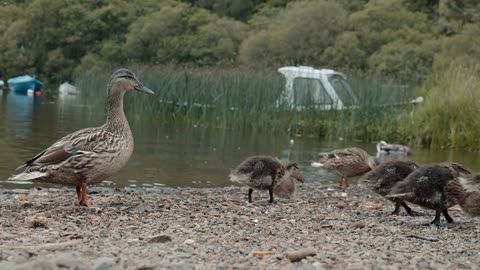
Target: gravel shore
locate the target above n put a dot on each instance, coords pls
(218, 229)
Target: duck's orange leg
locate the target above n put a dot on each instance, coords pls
(346, 182)
(84, 200)
(79, 193)
(340, 183)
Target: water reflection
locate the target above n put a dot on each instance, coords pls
(167, 154)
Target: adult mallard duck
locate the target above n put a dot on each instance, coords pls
(89, 156)
(427, 187)
(264, 172)
(347, 162)
(385, 176)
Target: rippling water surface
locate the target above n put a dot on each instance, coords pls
(165, 154)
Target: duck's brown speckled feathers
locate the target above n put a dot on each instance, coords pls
(427, 185)
(90, 155)
(467, 197)
(384, 177)
(263, 172)
(348, 162)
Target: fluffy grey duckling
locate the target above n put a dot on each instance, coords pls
(89, 156)
(264, 173)
(427, 187)
(465, 191)
(347, 162)
(384, 177)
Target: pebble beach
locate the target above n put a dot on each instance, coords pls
(321, 228)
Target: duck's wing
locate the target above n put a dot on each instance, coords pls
(76, 143)
(458, 169)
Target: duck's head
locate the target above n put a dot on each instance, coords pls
(124, 80)
(292, 168)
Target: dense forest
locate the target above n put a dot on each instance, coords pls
(405, 40)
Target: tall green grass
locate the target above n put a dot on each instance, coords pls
(449, 117)
(247, 100)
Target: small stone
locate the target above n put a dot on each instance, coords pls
(105, 263)
(160, 239)
(189, 242)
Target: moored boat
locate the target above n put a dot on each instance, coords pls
(22, 84)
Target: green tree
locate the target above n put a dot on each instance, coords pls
(298, 35)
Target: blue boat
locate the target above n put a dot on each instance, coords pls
(22, 84)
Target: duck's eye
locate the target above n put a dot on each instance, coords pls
(128, 77)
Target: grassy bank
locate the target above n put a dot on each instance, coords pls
(449, 116)
(247, 100)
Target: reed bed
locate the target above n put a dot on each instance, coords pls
(248, 100)
(449, 116)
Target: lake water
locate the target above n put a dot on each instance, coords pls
(167, 154)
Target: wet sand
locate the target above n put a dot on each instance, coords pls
(217, 229)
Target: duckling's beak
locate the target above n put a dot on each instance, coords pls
(144, 89)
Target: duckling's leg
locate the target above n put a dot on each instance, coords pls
(396, 212)
(270, 191)
(409, 210)
(346, 181)
(250, 195)
(84, 200)
(447, 216)
(436, 220)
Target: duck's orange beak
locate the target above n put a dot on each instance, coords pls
(299, 178)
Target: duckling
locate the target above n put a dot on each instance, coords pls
(89, 156)
(348, 162)
(384, 177)
(264, 172)
(286, 188)
(460, 189)
(427, 187)
(391, 148)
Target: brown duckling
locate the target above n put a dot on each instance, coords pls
(427, 187)
(461, 190)
(89, 156)
(384, 177)
(348, 162)
(286, 188)
(264, 172)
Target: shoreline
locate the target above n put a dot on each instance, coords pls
(215, 228)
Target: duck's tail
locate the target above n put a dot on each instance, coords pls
(242, 179)
(27, 176)
(317, 164)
